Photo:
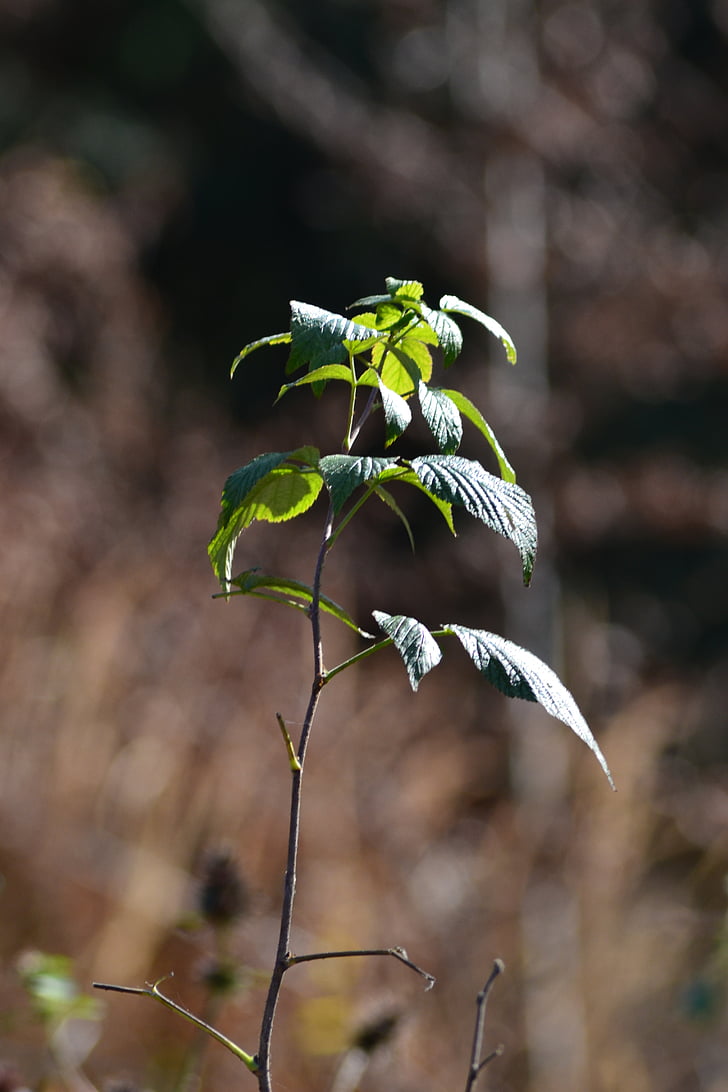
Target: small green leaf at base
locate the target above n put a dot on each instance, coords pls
(517, 673)
(414, 642)
(291, 593)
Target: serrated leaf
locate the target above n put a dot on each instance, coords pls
(344, 473)
(239, 493)
(442, 417)
(414, 642)
(317, 336)
(397, 414)
(517, 673)
(459, 307)
(291, 593)
(318, 375)
(473, 414)
(502, 506)
(272, 339)
(385, 496)
(404, 290)
(449, 334)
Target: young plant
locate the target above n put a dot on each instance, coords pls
(384, 357)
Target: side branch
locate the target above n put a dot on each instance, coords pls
(397, 953)
(152, 990)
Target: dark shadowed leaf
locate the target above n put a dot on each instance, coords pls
(414, 642)
(442, 417)
(449, 335)
(344, 473)
(517, 673)
(317, 336)
(397, 414)
(502, 506)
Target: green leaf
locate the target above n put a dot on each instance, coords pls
(502, 506)
(386, 496)
(291, 593)
(422, 331)
(517, 673)
(442, 417)
(476, 418)
(404, 290)
(273, 339)
(371, 301)
(329, 371)
(452, 303)
(403, 365)
(397, 414)
(283, 494)
(344, 473)
(317, 336)
(243, 496)
(408, 477)
(414, 642)
(449, 335)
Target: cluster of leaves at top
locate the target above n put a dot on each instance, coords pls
(385, 355)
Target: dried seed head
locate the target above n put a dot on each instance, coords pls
(223, 895)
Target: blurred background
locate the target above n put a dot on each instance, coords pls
(172, 173)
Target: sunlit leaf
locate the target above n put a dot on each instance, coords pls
(502, 506)
(403, 364)
(476, 418)
(442, 417)
(452, 303)
(241, 494)
(273, 339)
(344, 473)
(414, 642)
(404, 290)
(517, 673)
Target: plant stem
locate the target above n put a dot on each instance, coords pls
(282, 961)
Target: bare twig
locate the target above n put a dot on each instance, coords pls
(397, 953)
(476, 1065)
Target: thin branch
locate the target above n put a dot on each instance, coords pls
(294, 826)
(397, 953)
(476, 1065)
(152, 990)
